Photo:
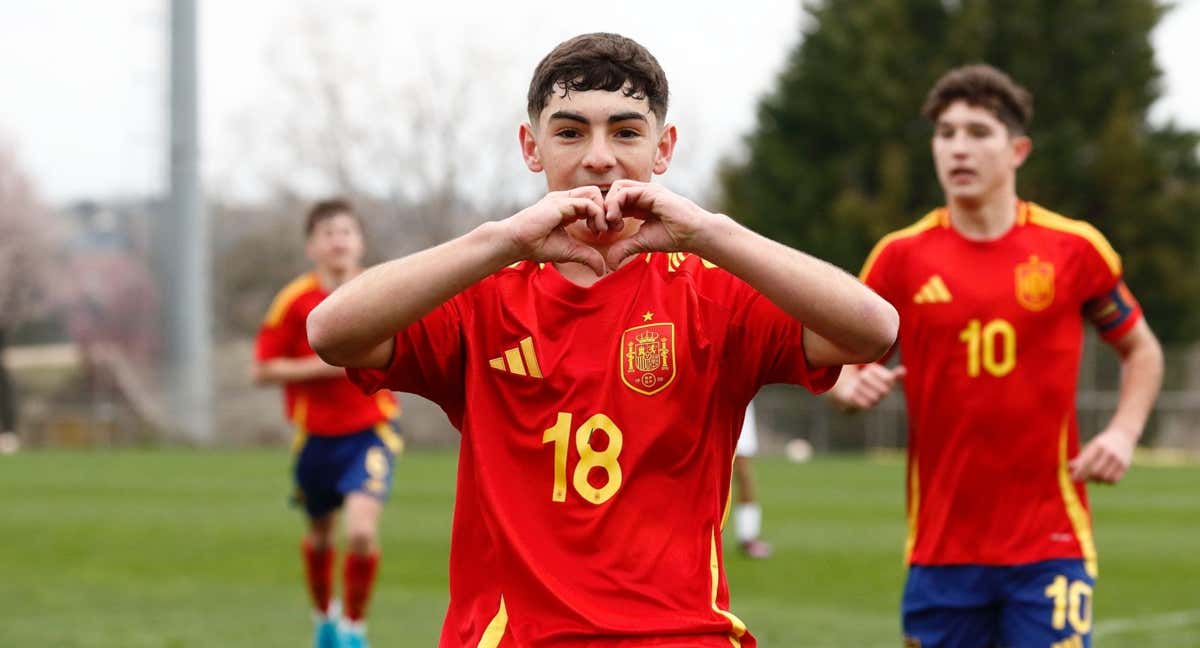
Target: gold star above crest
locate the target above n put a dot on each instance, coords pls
(648, 316)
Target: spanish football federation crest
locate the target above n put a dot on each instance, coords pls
(647, 357)
(1035, 284)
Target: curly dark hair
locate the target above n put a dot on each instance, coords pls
(599, 61)
(983, 86)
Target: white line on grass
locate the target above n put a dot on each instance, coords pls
(1152, 622)
(1120, 626)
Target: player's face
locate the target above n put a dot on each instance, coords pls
(975, 156)
(596, 138)
(336, 244)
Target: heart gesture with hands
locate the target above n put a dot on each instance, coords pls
(539, 232)
(668, 222)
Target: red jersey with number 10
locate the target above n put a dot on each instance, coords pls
(598, 431)
(991, 333)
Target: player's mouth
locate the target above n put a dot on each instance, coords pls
(960, 175)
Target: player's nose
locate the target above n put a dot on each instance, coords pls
(599, 156)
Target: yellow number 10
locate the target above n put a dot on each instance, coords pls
(589, 458)
(982, 340)
(1072, 603)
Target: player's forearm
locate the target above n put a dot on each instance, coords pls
(287, 370)
(1141, 380)
(829, 301)
(367, 311)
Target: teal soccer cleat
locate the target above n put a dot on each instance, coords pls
(354, 639)
(327, 635)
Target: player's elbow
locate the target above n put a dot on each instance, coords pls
(880, 326)
(325, 336)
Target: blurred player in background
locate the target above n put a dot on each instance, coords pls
(346, 443)
(596, 364)
(747, 513)
(993, 292)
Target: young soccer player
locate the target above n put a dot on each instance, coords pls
(993, 292)
(346, 443)
(597, 351)
(747, 513)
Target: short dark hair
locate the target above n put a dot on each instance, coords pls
(328, 208)
(983, 86)
(599, 61)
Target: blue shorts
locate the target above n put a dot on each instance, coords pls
(330, 467)
(1044, 605)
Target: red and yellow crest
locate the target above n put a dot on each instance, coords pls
(647, 357)
(1035, 284)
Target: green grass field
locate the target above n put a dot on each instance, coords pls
(196, 548)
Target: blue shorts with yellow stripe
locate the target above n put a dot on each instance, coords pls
(328, 468)
(1046, 604)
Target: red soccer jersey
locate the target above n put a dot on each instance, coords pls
(598, 431)
(991, 334)
(327, 406)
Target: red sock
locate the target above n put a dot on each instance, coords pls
(318, 570)
(358, 580)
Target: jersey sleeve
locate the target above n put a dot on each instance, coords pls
(877, 271)
(1107, 302)
(278, 333)
(772, 345)
(427, 360)
(765, 344)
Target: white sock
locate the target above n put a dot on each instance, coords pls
(747, 519)
(334, 613)
(355, 627)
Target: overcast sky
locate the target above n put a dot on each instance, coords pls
(83, 96)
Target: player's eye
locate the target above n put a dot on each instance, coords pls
(627, 133)
(979, 131)
(568, 133)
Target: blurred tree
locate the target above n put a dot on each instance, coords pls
(840, 154)
(27, 234)
(420, 148)
(26, 264)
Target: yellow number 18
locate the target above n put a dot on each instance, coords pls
(982, 341)
(589, 458)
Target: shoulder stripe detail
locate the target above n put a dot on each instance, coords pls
(928, 221)
(284, 299)
(1048, 219)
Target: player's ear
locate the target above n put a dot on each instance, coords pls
(529, 148)
(1022, 146)
(665, 149)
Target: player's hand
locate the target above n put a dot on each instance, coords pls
(868, 386)
(1105, 458)
(538, 233)
(670, 222)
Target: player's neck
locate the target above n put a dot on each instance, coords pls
(330, 278)
(984, 220)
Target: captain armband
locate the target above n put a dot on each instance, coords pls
(1112, 310)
